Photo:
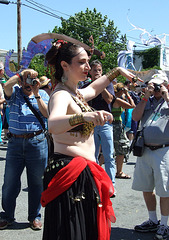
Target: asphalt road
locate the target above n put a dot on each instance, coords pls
(128, 205)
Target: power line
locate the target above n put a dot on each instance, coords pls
(41, 6)
(51, 8)
(43, 9)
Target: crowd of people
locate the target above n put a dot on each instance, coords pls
(85, 121)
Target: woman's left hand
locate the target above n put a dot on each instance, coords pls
(125, 73)
(98, 117)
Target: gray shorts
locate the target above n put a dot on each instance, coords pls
(152, 172)
(121, 142)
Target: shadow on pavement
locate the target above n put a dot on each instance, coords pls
(129, 234)
(18, 226)
(131, 163)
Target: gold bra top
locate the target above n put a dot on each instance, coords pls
(86, 128)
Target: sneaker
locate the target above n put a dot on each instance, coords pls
(36, 224)
(4, 224)
(162, 232)
(148, 226)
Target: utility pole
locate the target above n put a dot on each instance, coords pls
(19, 42)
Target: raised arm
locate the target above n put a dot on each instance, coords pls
(139, 109)
(96, 87)
(21, 79)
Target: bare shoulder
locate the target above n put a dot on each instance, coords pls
(59, 101)
(60, 94)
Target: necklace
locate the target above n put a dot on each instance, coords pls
(79, 99)
(88, 127)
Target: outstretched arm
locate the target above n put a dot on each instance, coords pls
(96, 87)
(139, 109)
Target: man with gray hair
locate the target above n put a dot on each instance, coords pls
(152, 168)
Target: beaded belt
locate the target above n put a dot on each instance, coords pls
(27, 135)
(156, 147)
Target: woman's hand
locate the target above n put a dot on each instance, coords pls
(124, 72)
(98, 117)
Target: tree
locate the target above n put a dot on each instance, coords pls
(106, 36)
(37, 63)
(81, 26)
(150, 57)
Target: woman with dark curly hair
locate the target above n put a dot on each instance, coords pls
(77, 190)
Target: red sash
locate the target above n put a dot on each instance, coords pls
(65, 178)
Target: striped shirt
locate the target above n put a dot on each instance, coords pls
(21, 118)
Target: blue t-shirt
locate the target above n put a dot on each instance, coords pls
(99, 103)
(21, 118)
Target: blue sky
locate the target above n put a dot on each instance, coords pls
(152, 15)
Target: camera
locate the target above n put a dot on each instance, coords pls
(31, 81)
(157, 87)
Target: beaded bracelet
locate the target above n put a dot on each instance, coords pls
(112, 74)
(76, 119)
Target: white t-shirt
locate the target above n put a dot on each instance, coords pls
(156, 129)
(1, 92)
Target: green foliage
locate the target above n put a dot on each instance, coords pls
(155, 67)
(37, 63)
(106, 36)
(81, 26)
(150, 57)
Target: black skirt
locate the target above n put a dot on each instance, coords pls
(73, 214)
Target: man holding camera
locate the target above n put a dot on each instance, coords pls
(152, 169)
(27, 146)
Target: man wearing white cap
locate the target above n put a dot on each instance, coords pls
(152, 169)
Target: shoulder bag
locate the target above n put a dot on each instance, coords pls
(47, 134)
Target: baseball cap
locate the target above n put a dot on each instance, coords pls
(159, 79)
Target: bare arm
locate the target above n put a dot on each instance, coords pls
(8, 88)
(58, 121)
(139, 109)
(96, 87)
(108, 97)
(130, 100)
(124, 104)
(2, 100)
(41, 104)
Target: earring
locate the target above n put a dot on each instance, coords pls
(64, 79)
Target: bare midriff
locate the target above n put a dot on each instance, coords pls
(73, 144)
